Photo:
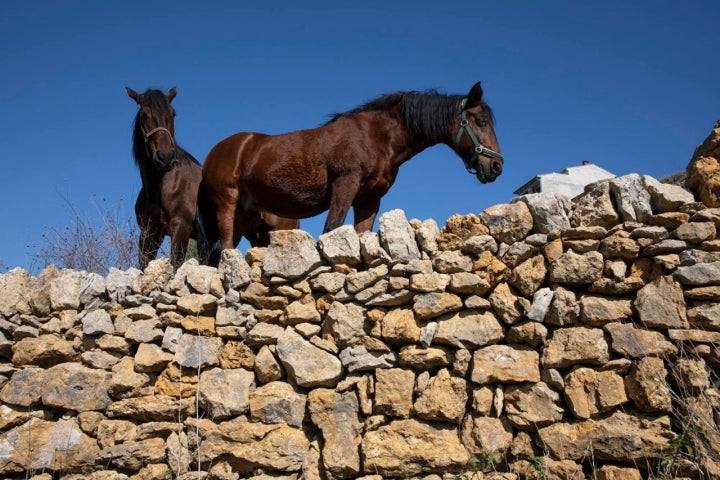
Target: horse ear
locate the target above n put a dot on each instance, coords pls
(171, 94)
(475, 95)
(133, 94)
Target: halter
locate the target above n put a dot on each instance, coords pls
(480, 149)
(172, 142)
(154, 131)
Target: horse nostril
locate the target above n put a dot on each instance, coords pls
(497, 167)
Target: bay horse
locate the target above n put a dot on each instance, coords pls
(350, 161)
(167, 202)
(170, 202)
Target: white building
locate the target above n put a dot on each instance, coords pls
(570, 182)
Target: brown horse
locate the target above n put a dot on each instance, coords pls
(351, 161)
(167, 202)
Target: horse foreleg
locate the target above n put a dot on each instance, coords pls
(150, 240)
(365, 214)
(180, 230)
(342, 195)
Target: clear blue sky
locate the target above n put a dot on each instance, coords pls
(633, 86)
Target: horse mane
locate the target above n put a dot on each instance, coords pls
(157, 101)
(428, 113)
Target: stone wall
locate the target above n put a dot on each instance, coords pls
(539, 339)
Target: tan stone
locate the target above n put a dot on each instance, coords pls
(619, 437)
(575, 345)
(199, 325)
(482, 435)
(648, 387)
(629, 341)
(399, 326)
(40, 445)
(529, 275)
(490, 268)
(405, 448)
(336, 414)
(589, 392)
(505, 364)
(394, 392)
(509, 306)
(237, 354)
(444, 399)
(530, 406)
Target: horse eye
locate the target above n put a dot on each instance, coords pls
(481, 122)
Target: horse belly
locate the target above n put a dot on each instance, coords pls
(290, 199)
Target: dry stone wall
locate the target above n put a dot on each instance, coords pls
(544, 338)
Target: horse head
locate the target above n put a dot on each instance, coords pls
(475, 141)
(156, 123)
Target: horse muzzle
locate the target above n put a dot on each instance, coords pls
(487, 169)
(164, 159)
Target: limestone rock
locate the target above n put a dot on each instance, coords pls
(397, 236)
(574, 270)
(594, 207)
(702, 171)
(336, 414)
(548, 210)
(444, 399)
(631, 198)
(468, 329)
(291, 254)
(394, 392)
(629, 341)
(575, 345)
(44, 351)
(531, 406)
(405, 448)
(233, 269)
(75, 387)
(341, 246)
(40, 445)
(254, 445)
(277, 402)
(648, 387)
(508, 223)
(589, 392)
(306, 364)
(505, 364)
(225, 393)
(660, 304)
(196, 352)
(619, 438)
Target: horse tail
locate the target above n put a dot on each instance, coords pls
(208, 235)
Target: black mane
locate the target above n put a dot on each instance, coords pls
(429, 113)
(157, 101)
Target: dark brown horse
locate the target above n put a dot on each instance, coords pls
(351, 161)
(167, 202)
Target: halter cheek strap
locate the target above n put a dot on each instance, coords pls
(480, 149)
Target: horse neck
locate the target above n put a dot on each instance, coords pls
(404, 142)
(431, 123)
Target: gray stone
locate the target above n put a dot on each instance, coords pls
(291, 254)
(306, 364)
(341, 246)
(397, 236)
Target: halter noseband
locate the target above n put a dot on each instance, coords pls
(147, 135)
(480, 149)
(154, 131)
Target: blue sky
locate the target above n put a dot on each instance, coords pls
(633, 86)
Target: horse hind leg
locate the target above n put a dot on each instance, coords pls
(343, 193)
(365, 213)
